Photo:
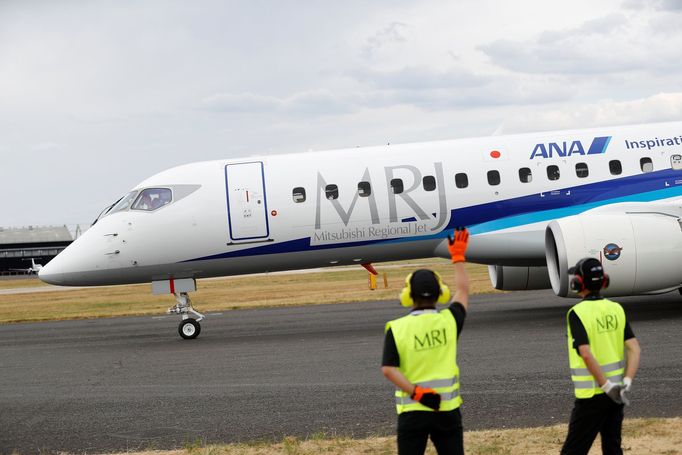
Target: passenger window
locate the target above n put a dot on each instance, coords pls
(553, 172)
(461, 180)
(429, 182)
(525, 175)
(676, 162)
(364, 189)
(397, 186)
(298, 194)
(494, 178)
(152, 199)
(615, 167)
(581, 170)
(331, 191)
(646, 164)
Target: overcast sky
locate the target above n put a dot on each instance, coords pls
(95, 96)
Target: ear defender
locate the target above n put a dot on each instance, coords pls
(406, 293)
(577, 283)
(444, 296)
(407, 300)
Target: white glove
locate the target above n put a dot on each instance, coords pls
(613, 391)
(627, 385)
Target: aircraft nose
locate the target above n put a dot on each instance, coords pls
(78, 264)
(48, 274)
(63, 269)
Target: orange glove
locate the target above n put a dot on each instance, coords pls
(458, 245)
(428, 397)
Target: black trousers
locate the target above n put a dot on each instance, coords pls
(590, 416)
(445, 429)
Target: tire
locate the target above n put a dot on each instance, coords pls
(189, 329)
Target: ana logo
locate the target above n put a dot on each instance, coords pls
(568, 148)
(612, 251)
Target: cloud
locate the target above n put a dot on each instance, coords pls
(388, 35)
(606, 25)
(425, 89)
(317, 102)
(614, 43)
(48, 147)
(147, 81)
(657, 108)
(662, 5)
(456, 88)
(240, 102)
(420, 78)
(458, 99)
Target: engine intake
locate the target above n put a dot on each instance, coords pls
(639, 251)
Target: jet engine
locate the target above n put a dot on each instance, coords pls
(639, 251)
(508, 278)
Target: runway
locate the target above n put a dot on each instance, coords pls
(132, 383)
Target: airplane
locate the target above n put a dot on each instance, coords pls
(35, 268)
(534, 203)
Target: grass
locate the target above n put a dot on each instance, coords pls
(19, 283)
(321, 287)
(640, 436)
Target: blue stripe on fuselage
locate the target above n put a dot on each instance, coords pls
(513, 212)
(627, 189)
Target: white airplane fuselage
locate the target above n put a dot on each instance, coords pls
(240, 216)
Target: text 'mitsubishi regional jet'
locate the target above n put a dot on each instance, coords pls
(534, 203)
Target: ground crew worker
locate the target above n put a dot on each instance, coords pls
(604, 356)
(420, 358)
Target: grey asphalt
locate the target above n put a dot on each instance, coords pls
(131, 383)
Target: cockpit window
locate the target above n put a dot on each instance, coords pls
(153, 198)
(123, 203)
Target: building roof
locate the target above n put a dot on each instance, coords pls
(35, 234)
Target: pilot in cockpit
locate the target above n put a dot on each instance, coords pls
(163, 198)
(145, 202)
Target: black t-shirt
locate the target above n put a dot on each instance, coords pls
(391, 357)
(580, 334)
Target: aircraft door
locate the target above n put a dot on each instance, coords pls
(246, 203)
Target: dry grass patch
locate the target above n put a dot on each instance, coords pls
(335, 286)
(640, 436)
(20, 283)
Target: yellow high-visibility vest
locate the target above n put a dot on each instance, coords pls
(604, 322)
(427, 345)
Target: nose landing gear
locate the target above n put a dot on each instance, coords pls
(189, 327)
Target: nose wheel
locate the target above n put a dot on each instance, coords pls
(189, 328)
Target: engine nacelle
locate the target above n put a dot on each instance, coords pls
(508, 278)
(639, 251)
